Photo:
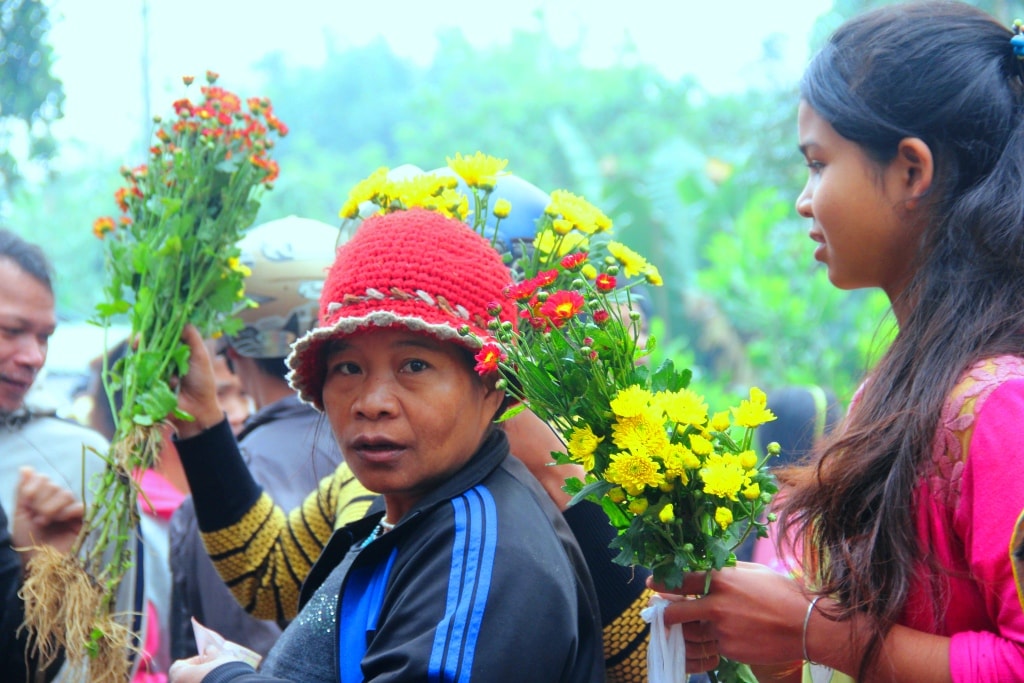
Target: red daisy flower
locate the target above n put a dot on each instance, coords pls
(562, 306)
(488, 357)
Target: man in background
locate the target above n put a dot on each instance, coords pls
(64, 451)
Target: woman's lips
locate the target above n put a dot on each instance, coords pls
(376, 450)
(819, 252)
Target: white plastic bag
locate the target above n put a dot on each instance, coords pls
(666, 654)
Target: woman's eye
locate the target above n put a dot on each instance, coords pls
(416, 365)
(815, 166)
(344, 368)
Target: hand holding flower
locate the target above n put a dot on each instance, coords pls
(197, 389)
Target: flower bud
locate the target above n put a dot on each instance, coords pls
(774, 448)
(502, 208)
(667, 514)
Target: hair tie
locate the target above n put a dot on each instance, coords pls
(1017, 41)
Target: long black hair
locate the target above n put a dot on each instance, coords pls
(945, 73)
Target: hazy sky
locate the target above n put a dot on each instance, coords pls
(98, 43)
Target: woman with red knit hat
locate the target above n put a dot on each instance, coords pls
(468, 571)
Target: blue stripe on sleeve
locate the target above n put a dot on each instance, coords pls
(472, 568)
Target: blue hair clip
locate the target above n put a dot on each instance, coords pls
(1017, 41)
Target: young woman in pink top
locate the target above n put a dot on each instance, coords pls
(911, 121)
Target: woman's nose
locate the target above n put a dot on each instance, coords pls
(376, 398)
(803, 202)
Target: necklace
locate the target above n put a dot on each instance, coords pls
(382, 528)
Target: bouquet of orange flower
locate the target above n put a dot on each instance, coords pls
(682, 484)
(172, 259)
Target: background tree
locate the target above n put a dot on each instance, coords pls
(30, 96)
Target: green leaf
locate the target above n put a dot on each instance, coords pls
(718, 552)
(669, 574)
(730, 671)
(573, 485)
(170, 247)
(110, 309)
(615, 516)
(231, 326)
(158, 402)
(141, 257)
(182, 415)
(666, 378)
(180, 359)
(511, 412)
(172, 205)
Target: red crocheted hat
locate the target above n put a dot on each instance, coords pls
(414, 269)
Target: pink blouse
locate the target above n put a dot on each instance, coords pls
(966, 507)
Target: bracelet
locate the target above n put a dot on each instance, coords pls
(807, 620)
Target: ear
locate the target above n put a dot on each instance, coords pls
(494, 398)
(914, 167)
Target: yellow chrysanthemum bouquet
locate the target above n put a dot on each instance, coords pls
(684, 486)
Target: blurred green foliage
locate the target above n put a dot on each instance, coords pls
(30, 96)
(701, 184)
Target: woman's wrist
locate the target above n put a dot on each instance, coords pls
(200, 423)
(829, 642)
(807, 622)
